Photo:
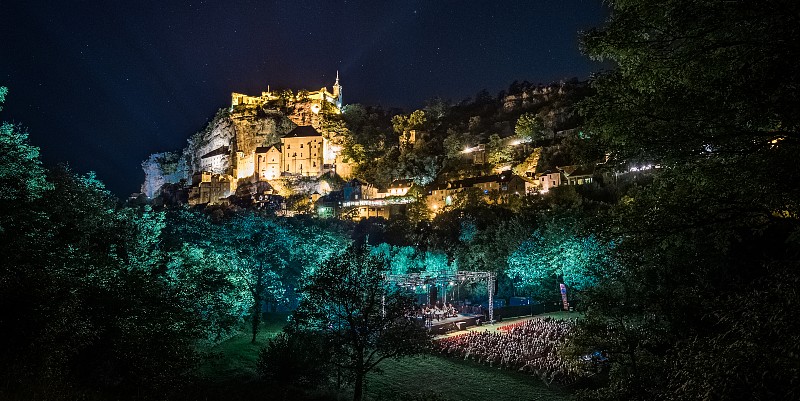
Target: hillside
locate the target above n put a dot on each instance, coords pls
(244, 155)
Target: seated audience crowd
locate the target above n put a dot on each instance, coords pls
(529, 346)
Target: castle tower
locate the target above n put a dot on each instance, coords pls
(337, 91)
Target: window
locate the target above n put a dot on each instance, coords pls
(301, 146)
(288, 146)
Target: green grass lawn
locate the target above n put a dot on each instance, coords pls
(235, 358)
(230, 374)
(455, 380)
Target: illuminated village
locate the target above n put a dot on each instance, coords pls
(265, 149)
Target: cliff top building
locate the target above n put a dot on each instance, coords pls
(315, 97)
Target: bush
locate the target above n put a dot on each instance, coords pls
(296, 358)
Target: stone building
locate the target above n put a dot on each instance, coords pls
(399, 187)
(577, 175)
(216, 161)
(549, 180)
(210, 188)
(268, 162)
(499, 186)
(302, 152)
(316, 97)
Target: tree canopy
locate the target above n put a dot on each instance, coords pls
(700, 88)
(348, 301)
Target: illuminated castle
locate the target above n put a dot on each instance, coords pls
(315, 97)
(260, 140)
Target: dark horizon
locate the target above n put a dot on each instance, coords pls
(102, 86)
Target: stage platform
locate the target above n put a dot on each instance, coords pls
(450, 324)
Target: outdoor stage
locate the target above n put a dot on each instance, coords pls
(460, 322)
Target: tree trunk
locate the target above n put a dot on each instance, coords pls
(257, 306)
(256, 316)
(358, 389)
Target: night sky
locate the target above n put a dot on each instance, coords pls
(103, 84)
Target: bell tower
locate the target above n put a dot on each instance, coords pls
(337, 91)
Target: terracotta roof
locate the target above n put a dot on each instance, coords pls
(222, 150)
(302, 131)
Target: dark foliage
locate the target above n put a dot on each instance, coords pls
(699, 300)
(296, 358)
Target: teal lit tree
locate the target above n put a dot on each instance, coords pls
(22, 176)
(539, 264)
(558, 253)
(348, 301)
(258, 252)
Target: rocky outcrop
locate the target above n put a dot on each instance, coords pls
(531, 96)
(163, 168)
(263, 129)
(236, 132)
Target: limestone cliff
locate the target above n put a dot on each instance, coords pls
(163, 168)
(228, 141)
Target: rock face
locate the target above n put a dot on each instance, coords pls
(263, 130)
(253, 130)
(163, 168)
(227, 144)
(532, 96)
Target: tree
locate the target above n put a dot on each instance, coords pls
(557, 253)
(259, 248)
(295, 358)
(529, 127)
(455, 143)
(21, 171)
(415, 120)
(436, 110)
(703, 89)
(363, 317)
(198, 267)
(498, 151)
(302, 95)
(84, 304)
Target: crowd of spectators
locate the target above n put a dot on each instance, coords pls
(530, 346)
